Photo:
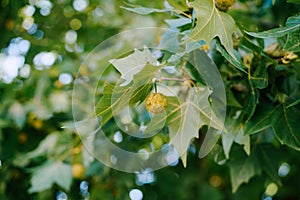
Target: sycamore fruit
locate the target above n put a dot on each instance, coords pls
(224, 5)
(156, 103)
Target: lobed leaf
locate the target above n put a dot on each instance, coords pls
(264, 158)
(195, 112)
(282, 118)
(292, 29)
(49, 173)
(213, 23)
(285, 123)
(116, 98)
(242, 168)
(132, 64)
(292, 25)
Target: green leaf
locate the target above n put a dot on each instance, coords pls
(264, 158)
(195, 112)
(293, 21)
(47, 145)
(132, 64)
(292, 25)
(138, 71)
(169, 41)
(179, 4)
(252, 101)
(242, 168)
(117, 97)
(189, 47)
(293, 101)
(284, 120)
(227, 141)
(53, 145)
(268, 157)
(285, 123)
(146, 11)
(275, 33)
(293, 42)
(49, 173)
(157, 122)
(235, 133)
(292, 29)
(260, 119)
(140, 94)
(213, 23)
(237, 64)
(259, 78)
(255, 48)
(231, 100)
(184, 127)
(175, 23)
(104, 106)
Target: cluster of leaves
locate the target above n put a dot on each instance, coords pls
(38, 158)
(261, 73)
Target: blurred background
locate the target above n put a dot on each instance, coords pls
(42, 44)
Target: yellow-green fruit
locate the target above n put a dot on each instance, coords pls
(156, 103)
(224, 4)
(78, 170)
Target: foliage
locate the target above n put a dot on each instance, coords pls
(255, 46)
(213, 23)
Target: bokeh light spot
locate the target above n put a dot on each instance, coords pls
(136, 194)
(61, 196)
(84, 189)
(146, 176)
(144, 154)
(33, 29)
(65, 78)
(215, 181)
(39, 34)
(284, 169)
(271, 189)
(44, 60)
(18, 46)
(9, 66)
(75, 24)
(27, 23)
(80, 5)
(98, 12)
(118, 137)
(71, 37)
(45, 7)
(25, 71)
(28, 10)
